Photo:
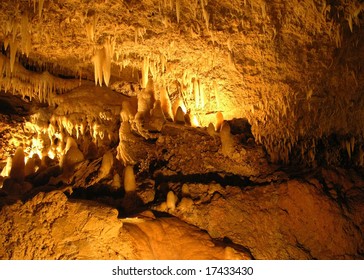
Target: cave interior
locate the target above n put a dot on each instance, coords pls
(182, 129)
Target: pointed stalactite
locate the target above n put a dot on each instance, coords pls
(145, 72)
(13, 50)
(348, 148)
(91, 28)
(178, 10)
(352, 144)
(196, 93)
(25, 35)
(102, 63)
(361, 156)
(40, 8)
(202, 94)
(106, 66)
(97, 61)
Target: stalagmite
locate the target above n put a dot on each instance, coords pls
(178, 103)
(106, 165)
(171, 201)
(185, 204)
(157, 118)
(194, 121)
(219, 121)
(71, 158)
(128, 111)
(70, 142)
(30, 167)
(180, 116)
(227, 142)
(146, 101)
(185, 190)
(116, 182)
(17, 171)
(211, 130)
(129, 179)
(166, 104)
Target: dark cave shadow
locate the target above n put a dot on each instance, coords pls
(205, 178)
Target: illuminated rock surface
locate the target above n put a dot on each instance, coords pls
(240, 125)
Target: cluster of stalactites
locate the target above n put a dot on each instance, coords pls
(13, 30)
(42, 86)
(102, 62)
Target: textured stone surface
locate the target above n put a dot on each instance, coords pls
(292, 68)
(50, 226)
(291, 220)
(286, 75)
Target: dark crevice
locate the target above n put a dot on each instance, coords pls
(305, 250)
(205, 178)
(238, 247)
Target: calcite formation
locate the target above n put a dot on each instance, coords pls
(204, 129)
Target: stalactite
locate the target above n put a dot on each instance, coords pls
(196, 92)
(102, 63)
(25, 35)
(202, 94)
(40, 8)
(13, 51)
(98, 61)
(106, 67)
(178, 10)
(206, 17)
(145, 72)
(34, 85)
(348, 148)
(90, 31)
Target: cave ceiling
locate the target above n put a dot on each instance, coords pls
(291, 68)
(244, 120)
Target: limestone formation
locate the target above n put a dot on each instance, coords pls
(181, 129)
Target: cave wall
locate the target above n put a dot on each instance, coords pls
(292, 68)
